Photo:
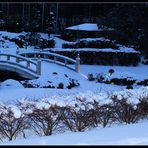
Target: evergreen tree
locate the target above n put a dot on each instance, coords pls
(2, 22)
(35, 22)
(50, 22)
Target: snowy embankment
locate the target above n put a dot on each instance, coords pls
(88, 89)
(133, 134)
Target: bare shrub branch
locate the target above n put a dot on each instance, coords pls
(10, 126)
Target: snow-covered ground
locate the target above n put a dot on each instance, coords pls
(139, 72)
(12, 90)
(87, 89)
(133, 134)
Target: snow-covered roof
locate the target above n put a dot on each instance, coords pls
(89, 27)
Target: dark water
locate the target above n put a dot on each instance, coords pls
(5, 75)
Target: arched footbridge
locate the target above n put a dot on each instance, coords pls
(24, 65)
(55, 58)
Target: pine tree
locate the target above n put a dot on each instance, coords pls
(50, 22)
(2, 22)
(35, 22)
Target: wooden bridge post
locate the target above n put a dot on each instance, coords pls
(39, 66)
(77, 67)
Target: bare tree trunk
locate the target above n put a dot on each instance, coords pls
(7, 9)
(29, 11)
(42, 17)
(57, 15)
(23, 19)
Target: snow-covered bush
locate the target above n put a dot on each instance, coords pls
(124, 111)
(2, 43)
(109, 78)
(101, 115)
(142, 107)
(44, 121)
(100, 77)
(53, 80)
(144, 82)
(76, 118)
(129, 87)
(50, 116)
(20, 43)
(35, 39)
(5, 37)
(106, 114)
(60, 85)
(122, 81)
(12, 122)
(90, 77)
(73, 83)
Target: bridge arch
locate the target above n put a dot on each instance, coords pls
(25, 67)
(54, 58)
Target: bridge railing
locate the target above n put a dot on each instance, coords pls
(55, 58)
(22, 62)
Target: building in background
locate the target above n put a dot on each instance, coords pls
(87, 30)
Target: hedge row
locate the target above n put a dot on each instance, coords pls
(48, 119)
(91, 44)
(104, 58)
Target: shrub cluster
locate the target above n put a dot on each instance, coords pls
(32, 39)
(31, 84)
(91, 44)
(122, 81)
(35, 39)
(107, 79)
(144, 82)
(19, 42)
(45, 119)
